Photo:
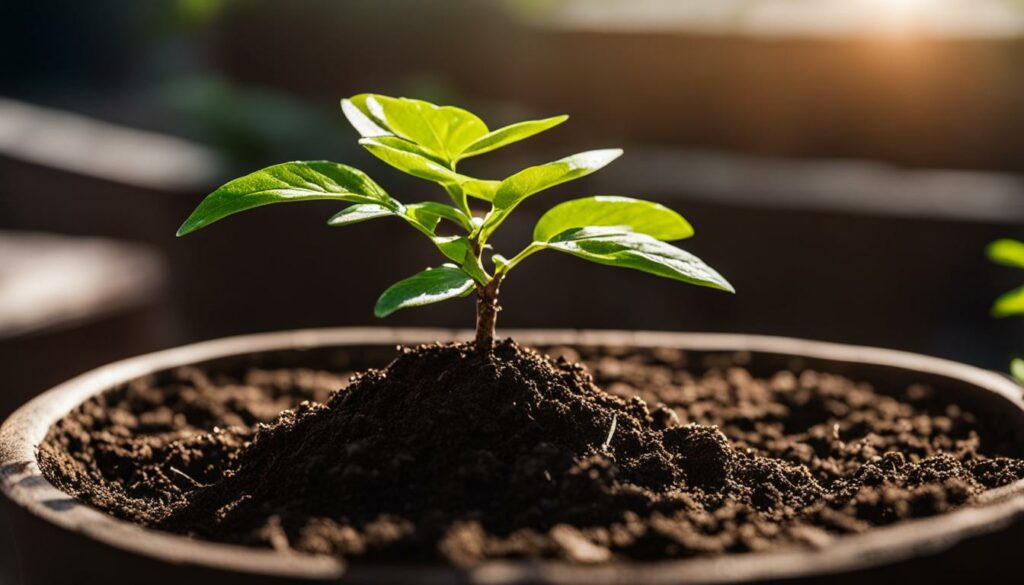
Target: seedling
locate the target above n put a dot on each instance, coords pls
(1009, 253)
(429, 142)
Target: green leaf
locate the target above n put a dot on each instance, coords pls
(411, 147)
(412, 163)
(283, 183)
(645, 217)
(430, 286)
(419, 214)
(358, 115)
(426, 214)
(445, 131)
(481, 188)
(455, 248)
(358, 213)
(510, 134)
(613, 247)
(1017, 369)
(1007, 252)
(533, 179)
(521, 185)
(1011, 303)
(473, 267)
(419, 165)
(440, 210)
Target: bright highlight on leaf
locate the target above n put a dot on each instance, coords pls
(412, 163)
(396, 143)
(510, 134)
(428, 141)
(358, 114)
(513, 190)
(443, 130)
(359, 212)
(284, 183)
(535, 179)
(446, 132)
(624, 249)
(643, 217)
(430, 286)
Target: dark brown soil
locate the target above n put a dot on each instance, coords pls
(455, 455)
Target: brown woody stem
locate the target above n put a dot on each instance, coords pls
(487, 313)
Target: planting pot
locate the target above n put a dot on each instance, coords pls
(62, 541)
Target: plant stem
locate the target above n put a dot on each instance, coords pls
(487, 313)
(487, 306)
(525, 253)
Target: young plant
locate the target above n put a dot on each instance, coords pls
(429, 142)
(1009, 253)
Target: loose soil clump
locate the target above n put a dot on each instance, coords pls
(457, 455)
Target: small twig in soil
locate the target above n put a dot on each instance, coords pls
(611, 433)
(186, 476)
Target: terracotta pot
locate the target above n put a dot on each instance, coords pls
(61, 541)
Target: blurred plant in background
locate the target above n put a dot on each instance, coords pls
(198, 12)
(1009, 253)
(250, 124)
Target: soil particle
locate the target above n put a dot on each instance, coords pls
(455, 455)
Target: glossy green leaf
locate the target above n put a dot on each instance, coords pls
(418, 165)
(510, 134)
(443, 130)
(1008, 252)
(481, 188)
(455, 248)
(533, 179)
(1011, 303)
(639, 252)
(411, 147)
(426, 214)
(409, 162)
(427, 209)
(419, 215)
(645, 217)
(284, 183)
(521, 185)
(446, 132)
(473, 267)
(358, 115)
(430, 286)
(357, 213)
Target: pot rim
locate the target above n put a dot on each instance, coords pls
(23, 483)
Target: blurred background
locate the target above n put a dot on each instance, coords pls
(845, 163)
